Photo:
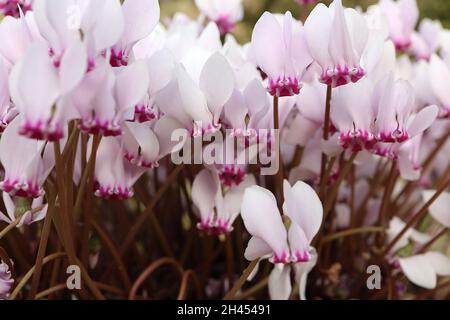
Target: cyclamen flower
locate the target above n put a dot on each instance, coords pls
(7, 110)
(264, 222)
(29, 216)
(245, 110)
(140, 18)
(217, 212)
(25, 161)
(395, 121)
(402, 16)
(269, 237)
(6, 280)
(17, 35)
(224, 13)
(337, 39)
(144, 145)
(396, 225)
(38, 90)
(439, 79)
(428, 40)
(197, 102)
(106, 97)
(280, 50)
(11, 7)
(114, 176)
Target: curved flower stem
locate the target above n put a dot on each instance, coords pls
(189, 274)
(352, 232)
(30, 272)
(10, 227)
(63, 286)
(238, 285)
(149, 270)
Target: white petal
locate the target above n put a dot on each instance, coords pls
(256, 248)
(263, 220)
(439, 209)
(73, 66)
(268, 46)
(217, 92)
(280, 286)
(440, 263)
(204, 190)
(303, 206)
(419, 271)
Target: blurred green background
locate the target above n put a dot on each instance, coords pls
(435, 9)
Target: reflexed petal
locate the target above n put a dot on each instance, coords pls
(280, 286)
(439, 209)
(204, 190)
(267, 45)
(419, 271)
(263, 220)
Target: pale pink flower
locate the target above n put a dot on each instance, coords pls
(39, 90)
(13, 7)
(140, 18)
(395, 120)
(245, 110)
(145, 144)
(28, 217)
(402, 16)
(217, 211)
(7, 110)
(17, 35)
(107, 96)
(6, 280)
(264, 222)
(25, 161)
(428, 40)
(337, 39)
(224, 13)
(280, 50)
(197, 101)
(439, 80)
(114, 175)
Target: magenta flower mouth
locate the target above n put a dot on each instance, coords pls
(225, 25)
(284, 87)
(11, 7)
(114, 193)
(231, 175)
(26, 189)
(96, 126)
(341, 76)
(42, 130)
